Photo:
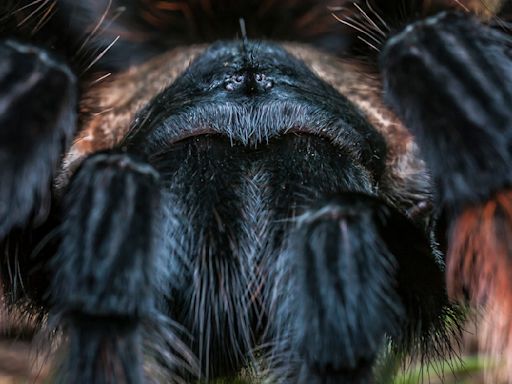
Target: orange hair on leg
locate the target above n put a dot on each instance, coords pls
(480, 265)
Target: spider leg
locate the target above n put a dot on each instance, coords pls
(104, 270)
(349, 283)
(37, 121)
(450, 79)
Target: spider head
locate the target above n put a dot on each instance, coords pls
(252, 93)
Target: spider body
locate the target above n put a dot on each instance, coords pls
(248, 203)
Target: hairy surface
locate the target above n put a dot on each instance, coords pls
(279, 202)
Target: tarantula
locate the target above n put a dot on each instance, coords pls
(192, 188)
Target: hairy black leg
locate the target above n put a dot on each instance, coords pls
(37, 121)
(450, 79)
(104, 271)
(349, 283)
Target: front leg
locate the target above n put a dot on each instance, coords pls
(37, 120)
(104, 273)
(356, 272)
(450, 79)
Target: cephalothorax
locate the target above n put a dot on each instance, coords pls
(249, 203)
